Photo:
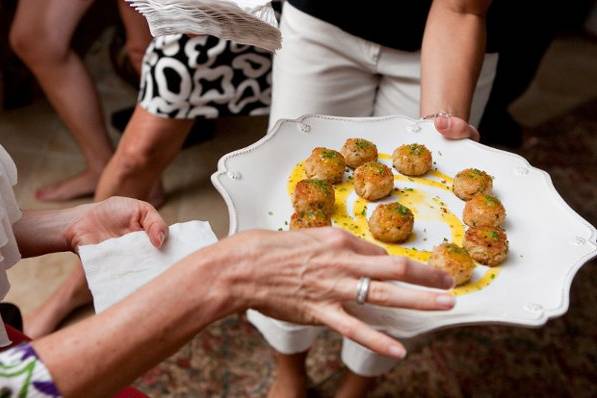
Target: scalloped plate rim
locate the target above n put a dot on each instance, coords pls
(546, 313)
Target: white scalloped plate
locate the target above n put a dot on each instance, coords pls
(549, 242)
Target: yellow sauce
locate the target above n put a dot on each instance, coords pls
(298, 174)
(422, 204)
(479, 284)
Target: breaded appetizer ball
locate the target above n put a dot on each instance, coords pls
(412, 159)
(314, 194)
(470, 182)
(357, 151)
(325, 164)
(454, 260)
(486, 245)
(373, 180)
(484, 210)
(391, 223)
(315, 218)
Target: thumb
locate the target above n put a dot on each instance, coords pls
(153, 224)
(455, 128)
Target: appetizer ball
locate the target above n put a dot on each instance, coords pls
(454, 260)
(391, 223)
(373, 180)
(486, 245)
(325, 164)
(309, 219)
(314, 194)
(469, 182)
(484, 210)
(357, 151)
(412, 159)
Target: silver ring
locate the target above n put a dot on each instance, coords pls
(363, 290)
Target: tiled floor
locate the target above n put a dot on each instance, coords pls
(44, 151)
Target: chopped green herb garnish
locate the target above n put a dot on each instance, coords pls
(377, 167)
(452, 247)
(491, 200)
(321, 184)
(401, 209)
(416, 149)
(329, 154)
(362, 144)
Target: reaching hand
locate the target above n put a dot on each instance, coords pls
(112, 218)
(308, 276)
(455, 128)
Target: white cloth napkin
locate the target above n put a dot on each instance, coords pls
(242, 21)
(117, 267)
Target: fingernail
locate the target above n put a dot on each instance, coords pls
(445, 300)
(442, 122)
(162, 238)
(448, 282)
(397, 351)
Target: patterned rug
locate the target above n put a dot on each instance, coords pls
(230, 359)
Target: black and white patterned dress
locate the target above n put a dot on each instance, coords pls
(187, 77)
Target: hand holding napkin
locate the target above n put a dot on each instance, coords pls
(250, 22)
(117, 267)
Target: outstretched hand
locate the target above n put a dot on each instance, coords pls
(112, 218)
(308, 276)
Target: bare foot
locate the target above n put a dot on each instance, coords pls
(355, 386)
(78, 186)
(72, 294)
(291, 377)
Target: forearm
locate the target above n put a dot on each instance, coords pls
(452, 55)
(41, 232)
(98, 356)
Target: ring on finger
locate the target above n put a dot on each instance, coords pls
(363, 290)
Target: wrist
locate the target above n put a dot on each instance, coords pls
(71, 218)
(234, 272)
(41, 232)
(211, 285)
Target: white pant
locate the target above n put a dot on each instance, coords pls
(322, 69)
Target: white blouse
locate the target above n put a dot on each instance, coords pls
(10, 213)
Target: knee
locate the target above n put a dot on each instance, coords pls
(35, 47)
(136, 52)
(135, 158)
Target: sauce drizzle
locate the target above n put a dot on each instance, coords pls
(423, 206)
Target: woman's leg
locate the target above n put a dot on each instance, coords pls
(41, 36)
(320, 69)
(138, 36)
(147, 147)
(291, 376)
(355, 386)
(73, 293)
